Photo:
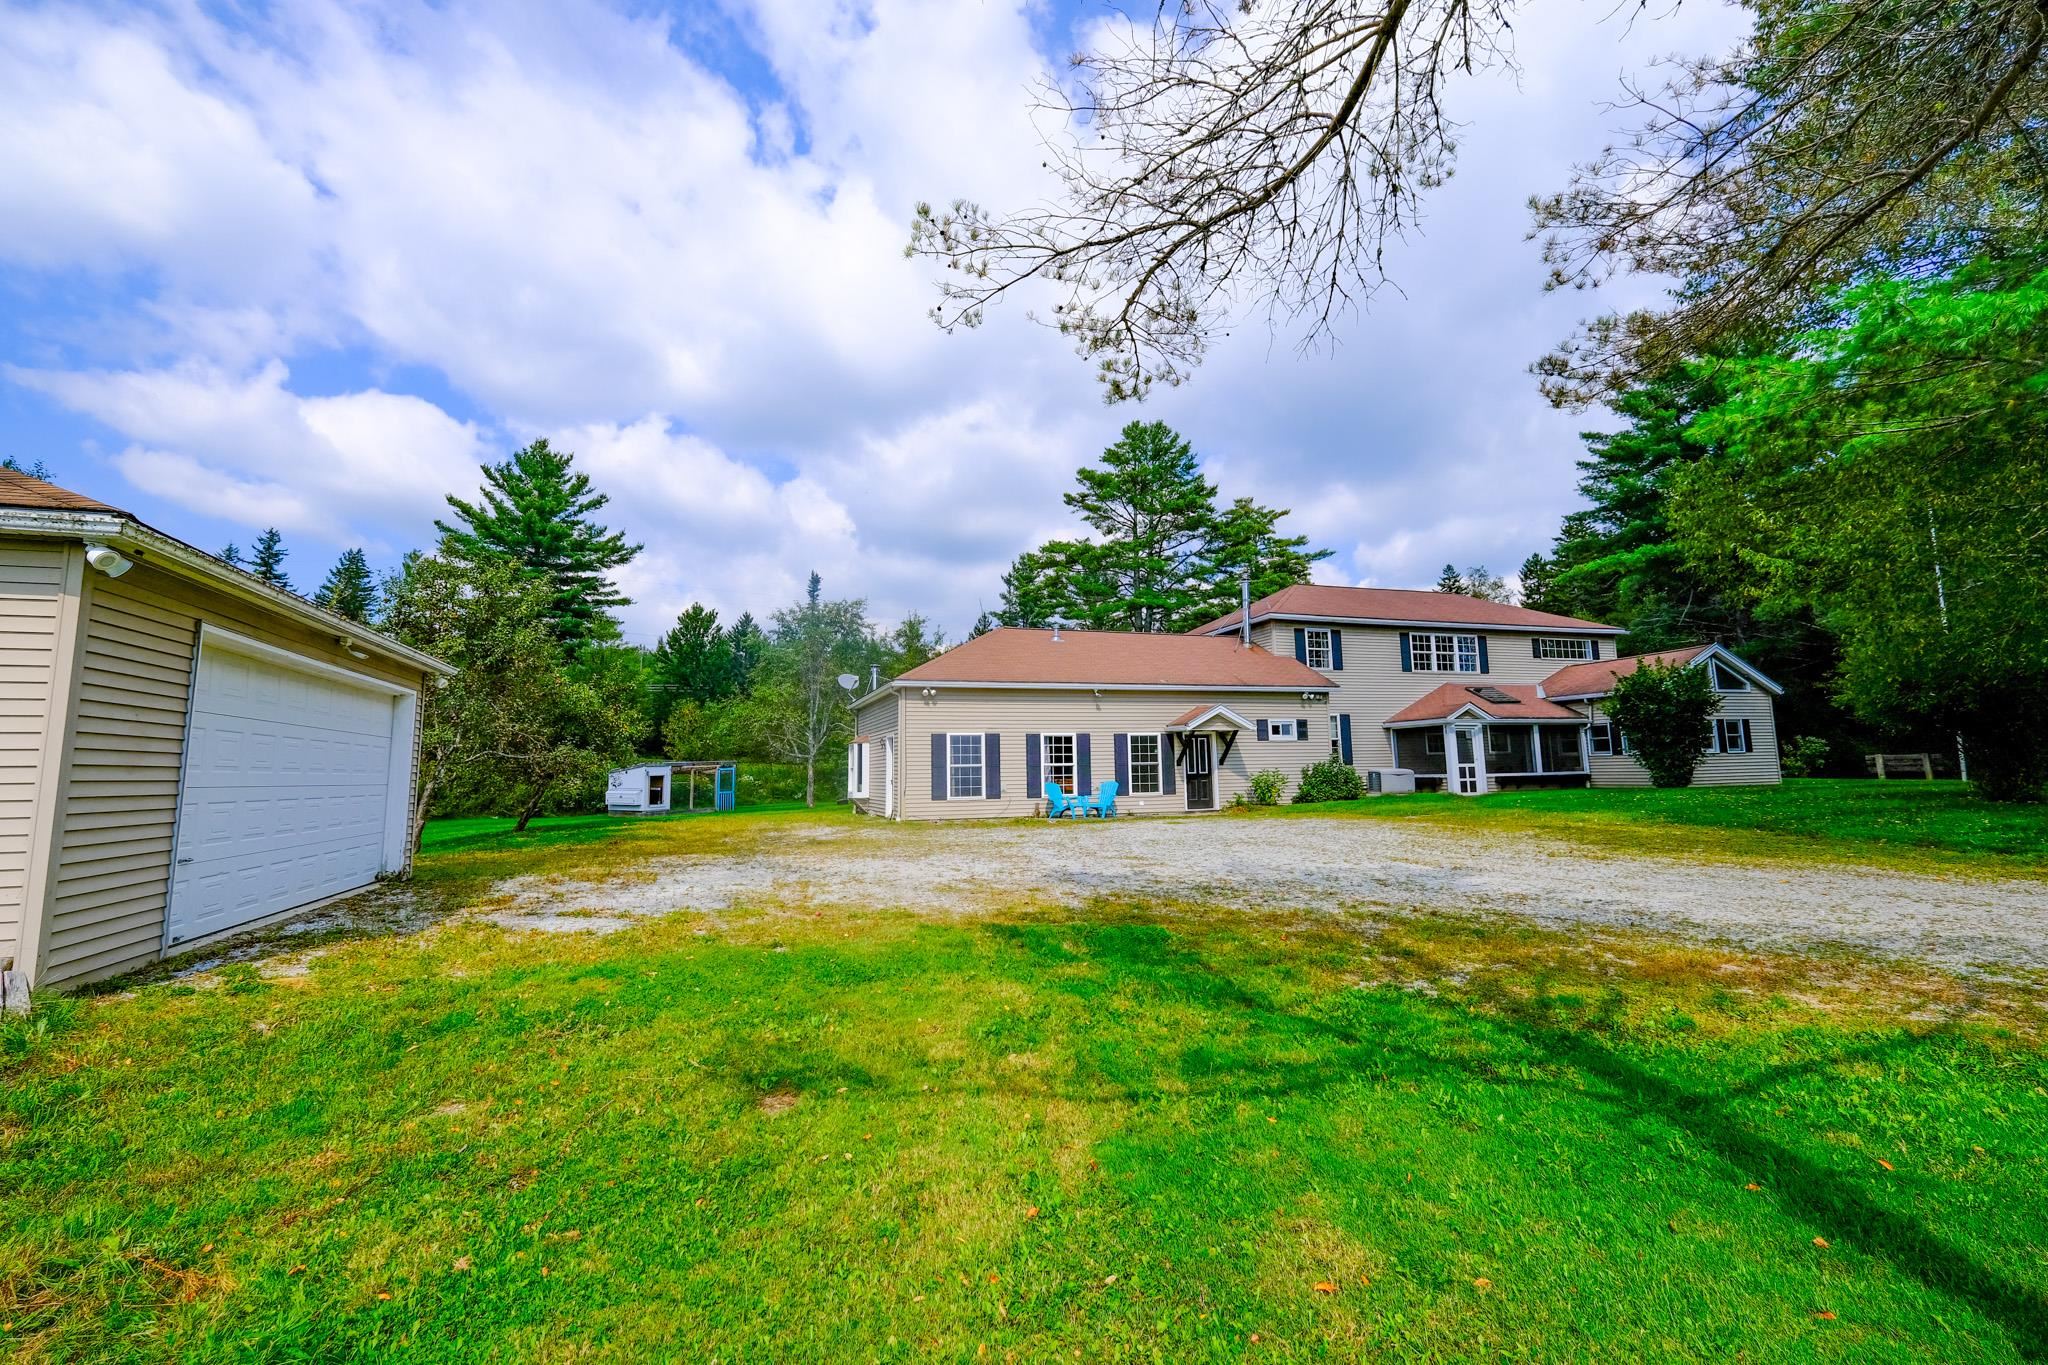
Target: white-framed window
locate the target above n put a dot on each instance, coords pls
(1320, 653)
(1336, 738)
(1058, 755)
(1281, 729)
(1725, 678)
(1731, 737)
(1432, 742)
(1145, 765)
(1559, 647)
(857, 769)
(963, 766)
(1498, 741)
(1429, 653)
(1602, 737)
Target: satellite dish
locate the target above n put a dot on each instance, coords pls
(849, 681)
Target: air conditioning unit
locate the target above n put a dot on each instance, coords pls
(1386, 780)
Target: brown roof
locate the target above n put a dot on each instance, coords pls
(1402, 604)
(25, 490)
(1597, 679)
(1451, 698)
(1114, 658)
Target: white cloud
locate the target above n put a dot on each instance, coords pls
(573, 225)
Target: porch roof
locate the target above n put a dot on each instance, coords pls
(1494, 701)
(1202, 715)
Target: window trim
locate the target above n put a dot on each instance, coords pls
(1600, 736)
(1273, 729)
(1072, 786)
(1308, 648)
(1433, 738)
(955, 768)
(1724, 727)
(1578, 646)
(1158, 787)
(1336, 737)
(1506, 743)
(1421, 660)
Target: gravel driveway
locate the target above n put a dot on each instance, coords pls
(1963, 922)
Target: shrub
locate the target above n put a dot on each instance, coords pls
(1664, 710)
(1330, 780)
(1806, 756)
(1267, 786)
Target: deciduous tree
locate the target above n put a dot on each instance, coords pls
(1666, 710)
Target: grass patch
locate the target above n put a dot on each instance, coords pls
(1916, 824)
(1138, 1132)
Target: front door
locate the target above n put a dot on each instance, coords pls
(1468, 773)
(1201, 772)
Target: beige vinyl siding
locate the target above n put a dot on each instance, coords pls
(138, 641)
(877, 721)
(1371, 686)
(1759, 767)
(1015, 713)
(32, 590)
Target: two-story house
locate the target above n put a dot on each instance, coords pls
(1470, 696)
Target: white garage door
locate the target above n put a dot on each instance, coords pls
(287, 792)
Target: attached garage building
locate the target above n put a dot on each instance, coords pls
(185, 751)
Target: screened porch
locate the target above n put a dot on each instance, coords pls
(1514, 755)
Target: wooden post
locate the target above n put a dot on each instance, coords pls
(1927, 766)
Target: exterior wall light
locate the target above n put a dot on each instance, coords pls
(108, 561)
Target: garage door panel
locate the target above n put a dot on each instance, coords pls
(286, 792)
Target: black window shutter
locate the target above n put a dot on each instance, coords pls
(1122, 743)
(1482, 655)
(1166, 764)
(1336, 650)
(1084, 780)
(1593, 648)
(1405, 665)
(1301, 728)
(938, 767)
(992, 766)
(1344, 738)
(1300, 644)
(1033, 786)
(1262, 729)
(1748, 743)
(1535, 646)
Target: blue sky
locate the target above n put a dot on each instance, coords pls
(308, 264)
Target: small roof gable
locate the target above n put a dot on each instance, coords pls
(1597, 679)
(1113, 658)
(1202, 715)
(1403, 606)
(1495, 701)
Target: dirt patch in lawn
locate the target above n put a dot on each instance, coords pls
(1321, 864)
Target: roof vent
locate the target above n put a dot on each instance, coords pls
(1055, 632)
(1494, 695)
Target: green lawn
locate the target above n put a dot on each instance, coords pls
(1137, 1132)
(1899, 822)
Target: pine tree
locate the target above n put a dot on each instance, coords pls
(232, 554)
(536, 513)
(749, 643)
(1539, 581)
(349, 590)
(266, 561)
(1450, 580)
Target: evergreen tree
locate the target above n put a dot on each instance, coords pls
(1539, 581)
(692, 663)
(983, 624)
(232, 554)
(1163, 557)
(349, 590)
(266, 561)
(1450, 580)
(749, 645)
(535, 512)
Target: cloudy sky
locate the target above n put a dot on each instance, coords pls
(307, 265)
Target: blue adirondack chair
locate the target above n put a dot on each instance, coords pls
(1060, 805)
(1103, 803)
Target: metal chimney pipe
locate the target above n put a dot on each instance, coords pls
(1244, 609)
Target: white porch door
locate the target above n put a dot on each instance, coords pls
(889, 776)
(1468, 768)
(287, 794)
